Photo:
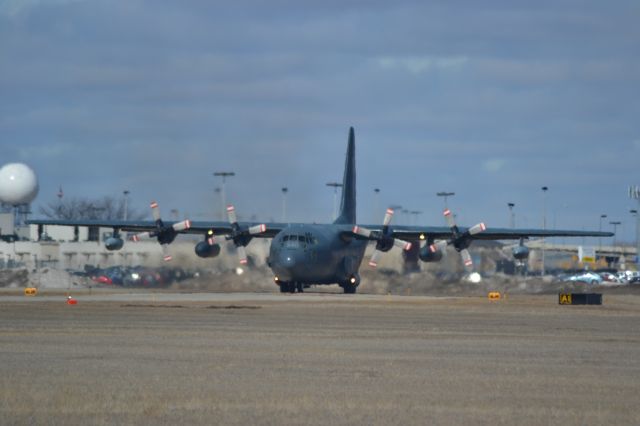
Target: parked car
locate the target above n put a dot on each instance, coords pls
(110, 275)
(628, 276)
(585, 277)
(608, 277)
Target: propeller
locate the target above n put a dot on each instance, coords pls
(384, 239)
(242, 236)
(164, 234)
(460, 241)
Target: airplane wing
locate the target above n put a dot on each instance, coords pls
(412, 233)
(409, 233)
(439, 237)
(196, 227)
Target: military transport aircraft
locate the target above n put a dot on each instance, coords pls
(303, 254)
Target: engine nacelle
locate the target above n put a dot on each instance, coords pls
(113, 243)
(426, 255)
(204, 249)
(521, 253)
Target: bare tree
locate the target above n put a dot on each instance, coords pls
(105, 208)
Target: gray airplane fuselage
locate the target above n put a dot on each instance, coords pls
(316, 254)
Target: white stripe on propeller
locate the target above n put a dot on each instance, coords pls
(242, 254)
(361, 231)
(438, 246)
(258, 229)
(449, 217)
(155, 211)
(181, 226)
(405, 245)
(387, 217)
(374, 258)
(165, 253)
(466, 257)
(476, 229)
(141, 236)
(231, 213)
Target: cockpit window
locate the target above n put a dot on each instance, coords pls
(294, 241)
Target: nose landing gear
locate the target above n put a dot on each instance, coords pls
(287, 287)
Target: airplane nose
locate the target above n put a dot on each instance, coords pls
(287, 260)
(285, 265)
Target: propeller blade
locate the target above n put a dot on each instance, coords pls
(476, 229)
(258, 229)
(438, 246)
(387, 217)
(155, 211)
(165, 253)
(405, 245)
(231, 213)
(466, 257)
(374, 258)
(141, 236)
(242, 254)
(361, 231)
(449, 217)
(182, 226)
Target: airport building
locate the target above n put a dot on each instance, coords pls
(64, 247)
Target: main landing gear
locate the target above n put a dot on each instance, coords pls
(291, 287)
(348, 288)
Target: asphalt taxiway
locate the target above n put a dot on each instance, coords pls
(203, 358)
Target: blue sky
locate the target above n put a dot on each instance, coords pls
(491, 100)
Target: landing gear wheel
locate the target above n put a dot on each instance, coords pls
(349, 288)
(284, 287)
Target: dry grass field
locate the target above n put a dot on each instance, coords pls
(320, 359)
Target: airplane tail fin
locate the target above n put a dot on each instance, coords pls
(348, 205)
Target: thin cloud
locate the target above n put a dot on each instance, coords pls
(421, 64)
(493, 165)
(13, 8)
(489, 101)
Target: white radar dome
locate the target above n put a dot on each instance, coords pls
(18, 184)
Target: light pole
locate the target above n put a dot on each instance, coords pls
(615, 224)
(376, 203)
(405, 214)
(335, 186)
(126, 204)
(284, 203)
(602, 216)
(544, 221)
(634, 193)
(218, 192)
(512, 218)
(224, 176)
(634, 212)
(415, 214)
(445, 195)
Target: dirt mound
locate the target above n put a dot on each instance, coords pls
(14, 278)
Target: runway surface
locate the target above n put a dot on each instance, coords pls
(242, 358)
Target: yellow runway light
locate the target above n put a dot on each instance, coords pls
(495, 295)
